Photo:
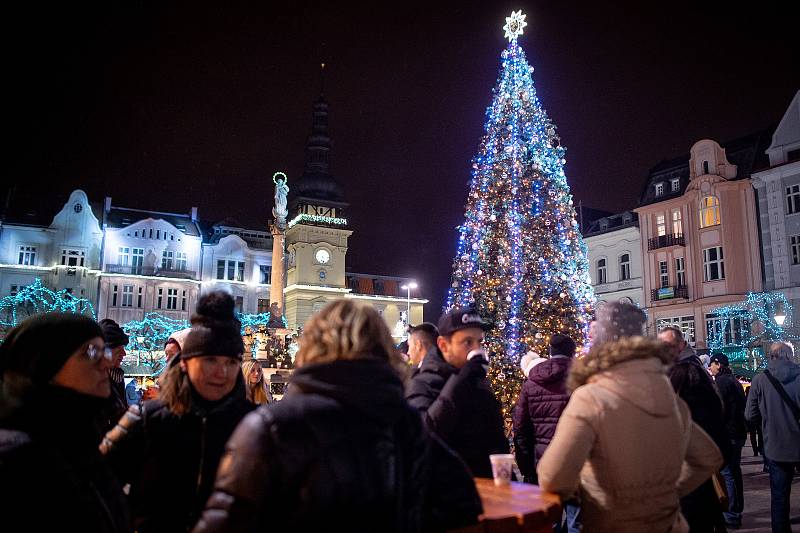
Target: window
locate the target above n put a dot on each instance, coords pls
(127, 296)
(172, 299)
(13, 290)
(114, 296)
(661, 226)
(139, 299)
(77, 208)
(124, 256)
(659, 189)
(794, 244)
(680, 272)
(180, 261)
(677, 226)
(137, 260)
(221, 269)
(70, 257)
(663, 274)
(240, 271)
(713, 264)
(709, 211)
(263, 305)
(265, 272)
(683, 323)
(624, 267)
(27, 255)
(160, 298)
(705, 167)
(792, 199)
(729, 330)
(183, 301)
(675, 185)
(792, 155)
(239, 303)
(167, 260)
(601, 272)
(231, 269)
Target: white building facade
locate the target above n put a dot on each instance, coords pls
(778, 192)
(615, 258)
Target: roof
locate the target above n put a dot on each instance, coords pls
(376, 285)
(587, 215)
(120, 217)
(255, 238)
(627, 219)
(748, 153)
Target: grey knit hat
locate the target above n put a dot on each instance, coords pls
(215, 328)
(616, 320)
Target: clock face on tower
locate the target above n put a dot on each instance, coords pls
(322, 256)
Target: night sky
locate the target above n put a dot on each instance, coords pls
(165, 108)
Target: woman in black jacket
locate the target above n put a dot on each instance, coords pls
(170, 449)
(54, 377)
(343, 449)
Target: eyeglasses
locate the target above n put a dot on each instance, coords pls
(96, 354)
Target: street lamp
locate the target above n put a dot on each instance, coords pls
(407, 287)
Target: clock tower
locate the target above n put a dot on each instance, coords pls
(317, 233)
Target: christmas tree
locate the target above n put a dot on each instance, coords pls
(521, 260)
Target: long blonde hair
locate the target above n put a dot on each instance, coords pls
(257, 393)
(345, 329)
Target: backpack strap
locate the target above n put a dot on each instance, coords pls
(784, 395)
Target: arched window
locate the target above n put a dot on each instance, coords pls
(709, 211)
(601, 272)
(624, 267)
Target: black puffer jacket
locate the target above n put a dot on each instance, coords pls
(460, 407)
(341, 451)
(51, 472)
(169, 460)
(733, 400)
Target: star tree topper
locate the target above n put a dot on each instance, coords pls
(515, 24)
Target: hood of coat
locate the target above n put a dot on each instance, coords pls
(552, 370)
(784, 371)
(369, 386)
(602, 357)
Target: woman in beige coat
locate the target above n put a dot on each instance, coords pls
(625, 441)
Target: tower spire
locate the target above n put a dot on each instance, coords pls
(322, 79)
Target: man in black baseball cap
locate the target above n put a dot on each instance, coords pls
(453, 394)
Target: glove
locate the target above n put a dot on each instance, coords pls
(478, 359)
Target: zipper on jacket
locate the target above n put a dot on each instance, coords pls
(202, 457)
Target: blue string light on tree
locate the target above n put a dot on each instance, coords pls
(732, 326)
(152, 332)
(520, 257)
(36, 299)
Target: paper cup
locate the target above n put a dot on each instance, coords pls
(502, 464)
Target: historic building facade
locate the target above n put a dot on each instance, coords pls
(699, 237)
(615, 258)
(129, 262)
(778, 192)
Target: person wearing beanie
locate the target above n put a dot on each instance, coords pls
(733, 401)
(626, 442)
(169, 449)
(54, 380)
(541, 401)
(116, 341)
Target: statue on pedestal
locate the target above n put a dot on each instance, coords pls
(280, 212)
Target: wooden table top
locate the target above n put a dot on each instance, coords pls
(531, 508)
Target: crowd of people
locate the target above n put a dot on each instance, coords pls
(637, 434)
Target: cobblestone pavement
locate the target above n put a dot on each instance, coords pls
(756, 495)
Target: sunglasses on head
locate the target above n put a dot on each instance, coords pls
(96, 354)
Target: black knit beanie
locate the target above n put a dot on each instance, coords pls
(39, 346)
(215, 329)
(113, 334)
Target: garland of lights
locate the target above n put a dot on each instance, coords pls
(304, 217)
(36, 299)
(758, 307)
(521, 260)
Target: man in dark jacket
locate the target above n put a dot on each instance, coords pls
(543, 398)
(116, 341)
(453, 394)
(693, 384)
(733, 400)
(781, 427)
(421, 338)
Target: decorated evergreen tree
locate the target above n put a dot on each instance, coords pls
(521, 260)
